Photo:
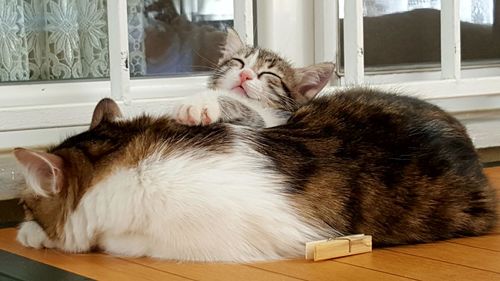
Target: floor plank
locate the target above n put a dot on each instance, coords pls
(95, 266)
(455, 254)
(327, 271)
(418, 267)
(216, 272)
(487, 242)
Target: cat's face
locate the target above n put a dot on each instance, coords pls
(262, 75)
(57, 179)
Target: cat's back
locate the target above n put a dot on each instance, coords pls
(392, 124)
(380, 159)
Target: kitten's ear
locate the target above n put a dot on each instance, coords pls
(105, 110)
(312, 79)
(232, 45)
(43, 171)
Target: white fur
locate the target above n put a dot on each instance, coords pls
(30, 234)
(191, 206)
(191, 111)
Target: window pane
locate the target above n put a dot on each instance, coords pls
(168, 37)
(399, 34)
(480, 31)
(53, 39)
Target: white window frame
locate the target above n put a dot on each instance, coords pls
(40, 113)
(463, 92)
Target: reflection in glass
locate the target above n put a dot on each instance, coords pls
(169, 37)
(400, 32)
(480, 31)
(406, 33)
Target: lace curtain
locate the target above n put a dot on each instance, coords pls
(62, 39)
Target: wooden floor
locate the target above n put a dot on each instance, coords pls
(476, 258)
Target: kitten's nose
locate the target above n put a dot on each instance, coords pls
(245, 75)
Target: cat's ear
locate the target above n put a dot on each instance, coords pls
(105, 110)
(233, 44)
(312, 79)
(43, 171)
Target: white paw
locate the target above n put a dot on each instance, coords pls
(31, 234)
(200, 110)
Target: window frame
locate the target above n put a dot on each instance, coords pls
(35, 113)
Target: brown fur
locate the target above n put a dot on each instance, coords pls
(394, 167)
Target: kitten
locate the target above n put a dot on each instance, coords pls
(253, 86)
(153, 187)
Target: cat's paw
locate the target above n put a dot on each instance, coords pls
(31, 234)
(200, 111)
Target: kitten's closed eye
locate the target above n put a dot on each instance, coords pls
(238, 61)
(269, 73)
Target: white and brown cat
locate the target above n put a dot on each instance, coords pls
(149, 186)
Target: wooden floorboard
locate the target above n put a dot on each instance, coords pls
(455, 254)
(472, 258)
(417, 267)
(487, 242)
(213, 272)
(327, 271)
(95, 266)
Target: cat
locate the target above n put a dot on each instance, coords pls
(253, 86)
(359, 161)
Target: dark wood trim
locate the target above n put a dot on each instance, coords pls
(491, 164)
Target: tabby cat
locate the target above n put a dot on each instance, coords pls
(360, 161)
(253, 86)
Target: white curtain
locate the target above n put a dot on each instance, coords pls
(62, 39)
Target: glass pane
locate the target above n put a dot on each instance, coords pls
(53, 39)
(168, 37)
(399, 34)
(480, 31)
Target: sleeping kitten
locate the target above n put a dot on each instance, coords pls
(253, 86)
(153, 187)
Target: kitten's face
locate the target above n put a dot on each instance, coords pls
(257, 74)
(262, 75)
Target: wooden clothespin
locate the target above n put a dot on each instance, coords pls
(338, 247)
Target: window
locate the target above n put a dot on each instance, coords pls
(176, 37)
(53, 40)
(405, 35)
(59, 57)
(399, 34)
(480, 32)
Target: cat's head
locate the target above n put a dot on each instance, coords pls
(57, 179)
(263, 75)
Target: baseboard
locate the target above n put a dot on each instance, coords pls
(490, 156)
